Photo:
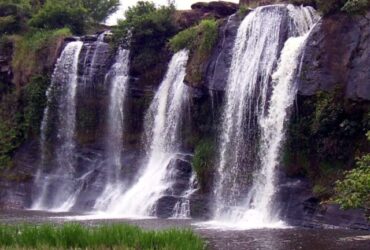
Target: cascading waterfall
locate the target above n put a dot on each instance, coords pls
(118, 76)
(56, 190)
(162, 124)
(256, 110)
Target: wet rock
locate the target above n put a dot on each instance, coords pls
(165, 205)
(181, 172)
(299, 207)
(72, 39)
(338, 56)
(220, 60)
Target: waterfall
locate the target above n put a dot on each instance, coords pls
(255, 111)
(162, 124)
(56, 189)
(118, 77)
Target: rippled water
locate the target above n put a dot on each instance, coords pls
(274, 239)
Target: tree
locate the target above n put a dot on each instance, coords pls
(100, 10)
(56, 14)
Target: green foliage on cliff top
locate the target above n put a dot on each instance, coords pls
(146, 31)
(35, 52)
(201, 37)
(200, 40)
(59, 14)
(75, 236)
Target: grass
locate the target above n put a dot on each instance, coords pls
(76, 236)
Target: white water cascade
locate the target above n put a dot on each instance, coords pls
(118, 77)
(162, 124)
(255, 112)
(56, 192)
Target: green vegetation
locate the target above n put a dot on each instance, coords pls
(20, 116)
(146, 30)
(333, 6)
(100, 10)
(200, 40)
(201, 37)
(75, 236)
(184, 39)
(14, 15)
(36, 100)
(35, 52)
(11, 134)
(57, 14)
(354, 190)
(325, 138)
(203, 160)
(244, 10)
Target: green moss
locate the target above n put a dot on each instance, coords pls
(184, 39)
(20, 117)
(200, 40)
(11, 133)
(324, 138)
(203, 161)
(36, 100)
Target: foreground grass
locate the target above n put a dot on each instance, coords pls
(76, 236)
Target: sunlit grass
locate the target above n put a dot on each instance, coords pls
(76, 236)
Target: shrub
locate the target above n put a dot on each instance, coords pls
(13, 16)
(145, 31)
(184, 39)
(57, 14)
(354, 190)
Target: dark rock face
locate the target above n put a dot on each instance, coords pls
(220, 60)
(6, 74)
(338, 54)
(202, 10)
(218, 9)
(299, 207)
(260, 2)
(16, 185)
